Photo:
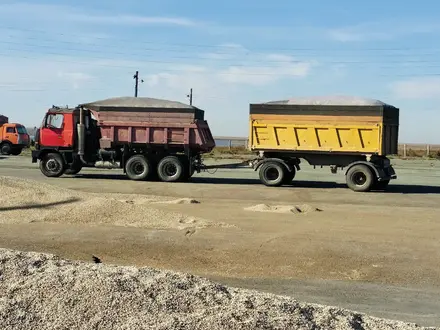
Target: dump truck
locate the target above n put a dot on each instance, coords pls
(351, 133)
(13, 137)
(146, 137)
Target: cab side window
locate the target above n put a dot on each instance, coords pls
(10, 130)
(55, 121)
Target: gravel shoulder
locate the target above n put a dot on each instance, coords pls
(45, 292)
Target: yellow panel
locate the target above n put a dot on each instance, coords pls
(365, 138)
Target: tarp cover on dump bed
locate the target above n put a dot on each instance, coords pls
(135, 102)
(339, 100)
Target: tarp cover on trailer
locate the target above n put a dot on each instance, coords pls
(135, 102)
(331, 100)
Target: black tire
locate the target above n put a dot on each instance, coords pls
(170, 169)
(381, 185)
(75, 167)
(5, 149)
(74, 170)
(137, 168)
(289, 175)
(360, 178)
(52, 165)
(16, 151)
(272, 174)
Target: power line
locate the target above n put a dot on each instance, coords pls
(180, 50)
(227, 46)
(229, 65)
(210, 57)
(197, 71)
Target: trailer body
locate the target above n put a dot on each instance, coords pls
(360, 129)
(326, 131)
(13, 137)
(144, 136)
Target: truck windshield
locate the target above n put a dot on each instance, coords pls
(21, 130)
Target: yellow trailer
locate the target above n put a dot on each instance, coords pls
(340, 132)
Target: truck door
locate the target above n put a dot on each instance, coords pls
(51, 134)
(11, 134)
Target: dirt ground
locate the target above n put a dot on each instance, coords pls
(318, 241)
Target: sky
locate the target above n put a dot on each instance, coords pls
(231, 53)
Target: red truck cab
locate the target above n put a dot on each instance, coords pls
(57, 129)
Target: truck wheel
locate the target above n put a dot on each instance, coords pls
(170, 169)
(52, 165)
(360, 178)
(272, 174)
(16, 152)
(137, 168)
(5, 149)
(73, 170)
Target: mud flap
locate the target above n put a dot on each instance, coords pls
(35, 155)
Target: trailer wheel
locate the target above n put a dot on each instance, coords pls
(5, 149)
(137, 168)
(52, 165)
(170, 169)
(272, 174)
(360, 178)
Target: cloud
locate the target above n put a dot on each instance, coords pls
(75, 79)
(417, 88)
(61, 13)
(369, 31)
(282, 67)
(132, 20)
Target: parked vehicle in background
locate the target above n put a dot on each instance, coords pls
(13, 137)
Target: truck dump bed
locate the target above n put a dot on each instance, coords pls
(151, 121)
(332, 124)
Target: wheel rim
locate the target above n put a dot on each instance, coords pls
(138, 168)
(272, 173)
(52, 165)
(359, 178)
(170, 169)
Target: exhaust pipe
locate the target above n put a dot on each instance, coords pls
(82, 138)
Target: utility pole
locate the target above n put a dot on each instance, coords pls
(136, 86)
(190, 95)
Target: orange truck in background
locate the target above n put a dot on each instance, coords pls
(13, 137)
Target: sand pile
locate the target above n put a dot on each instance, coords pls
(295, 209)
(40, 291)
(26, 201)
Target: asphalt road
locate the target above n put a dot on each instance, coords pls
(407, 288)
